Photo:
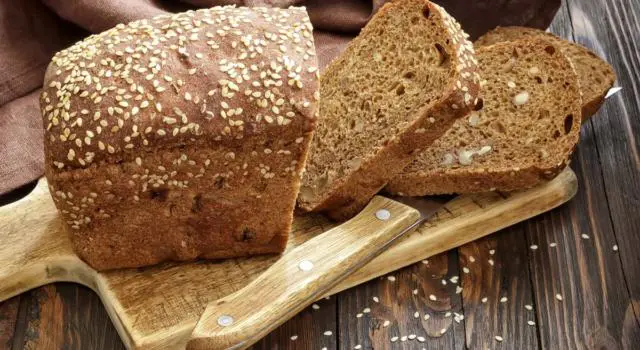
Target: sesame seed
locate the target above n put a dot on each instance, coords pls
(552, 244)
(533, 247)
(391, 278)
(503, 299)
(615, 247)
(443, 331)
(375, 299)
(559, 296)
(585, 236)
(294, 337)
(484, 300)
(386, 323)
(328, 333)
(521, 98)
(528, 307)
(366, 310)
(531, 323)
(416, 314)
(432, 297)
(315, 306)
(394, 339)
(415, 292)
(465, 269)
(358, 346)
(499, 338)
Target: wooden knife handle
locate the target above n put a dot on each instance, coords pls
(301, 276)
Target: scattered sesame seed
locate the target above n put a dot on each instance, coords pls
(315, 306)
(391, 278)
(533, 247)
(458, 289)
(404, 338)
(386, 323)
(472, 259)
(503, 299)
(559, 296)
(366, 310)
(294, 337)
(531, 323)
(585, 236)
(328, 333)
(528, 307)
(465, 269)
(499, 338)
(432, 297)
(553, 244)
(426, 262)
(491, 262)
(394, 339)
(415, 292)
(358, 315)
(412, 336)
(375, 299)
(422, 339)
(358, 346)
(426, 316)
(416, 314)
(615, 247)
(492, 251)
(443, 331)
(484, 300)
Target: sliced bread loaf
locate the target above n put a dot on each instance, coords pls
(398, 86)
(524, 133)
(595, 75)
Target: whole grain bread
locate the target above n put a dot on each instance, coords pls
(181, 136)
(398, 86)
(524, 134)
(595, 75)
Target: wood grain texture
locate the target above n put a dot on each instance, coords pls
(615, 34)
(8, 318)
(286, 287)
(579, 286)
(159, 306)
(496, 289)
(401, 296)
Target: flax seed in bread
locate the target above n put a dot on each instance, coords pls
(397, 87)
(524, 133)
(181, 136)
(595, 75)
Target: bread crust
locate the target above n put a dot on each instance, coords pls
(181, 136)
(351, 193)
(444, 180)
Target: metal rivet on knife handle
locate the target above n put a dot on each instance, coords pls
(383, 214)
(225, 320)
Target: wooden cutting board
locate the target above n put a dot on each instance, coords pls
(158, 307)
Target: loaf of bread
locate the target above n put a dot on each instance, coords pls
(397, 87)
(595, 75)
(181, 136)
(524, 134)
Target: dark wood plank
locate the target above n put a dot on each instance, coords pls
(8, 318)
(497, 292)
(64, 316)
(313, 328)
(399, 296)
(580, 291)
(612, 29)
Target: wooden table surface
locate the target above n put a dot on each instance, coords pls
(567, 279)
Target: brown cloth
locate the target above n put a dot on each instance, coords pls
(31, 31)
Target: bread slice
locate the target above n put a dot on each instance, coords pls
(595, 75)
(524, 133)
(397, 87)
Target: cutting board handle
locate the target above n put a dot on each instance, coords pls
(301, 276)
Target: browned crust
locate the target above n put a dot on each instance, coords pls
(463, 180)
(214, 194)
(449, 182)
(590, 106)
(349, 195)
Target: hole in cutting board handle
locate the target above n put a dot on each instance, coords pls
(18, 193)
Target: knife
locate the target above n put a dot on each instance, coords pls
(303, 274)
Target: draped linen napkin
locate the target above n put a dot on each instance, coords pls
(31, 31)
